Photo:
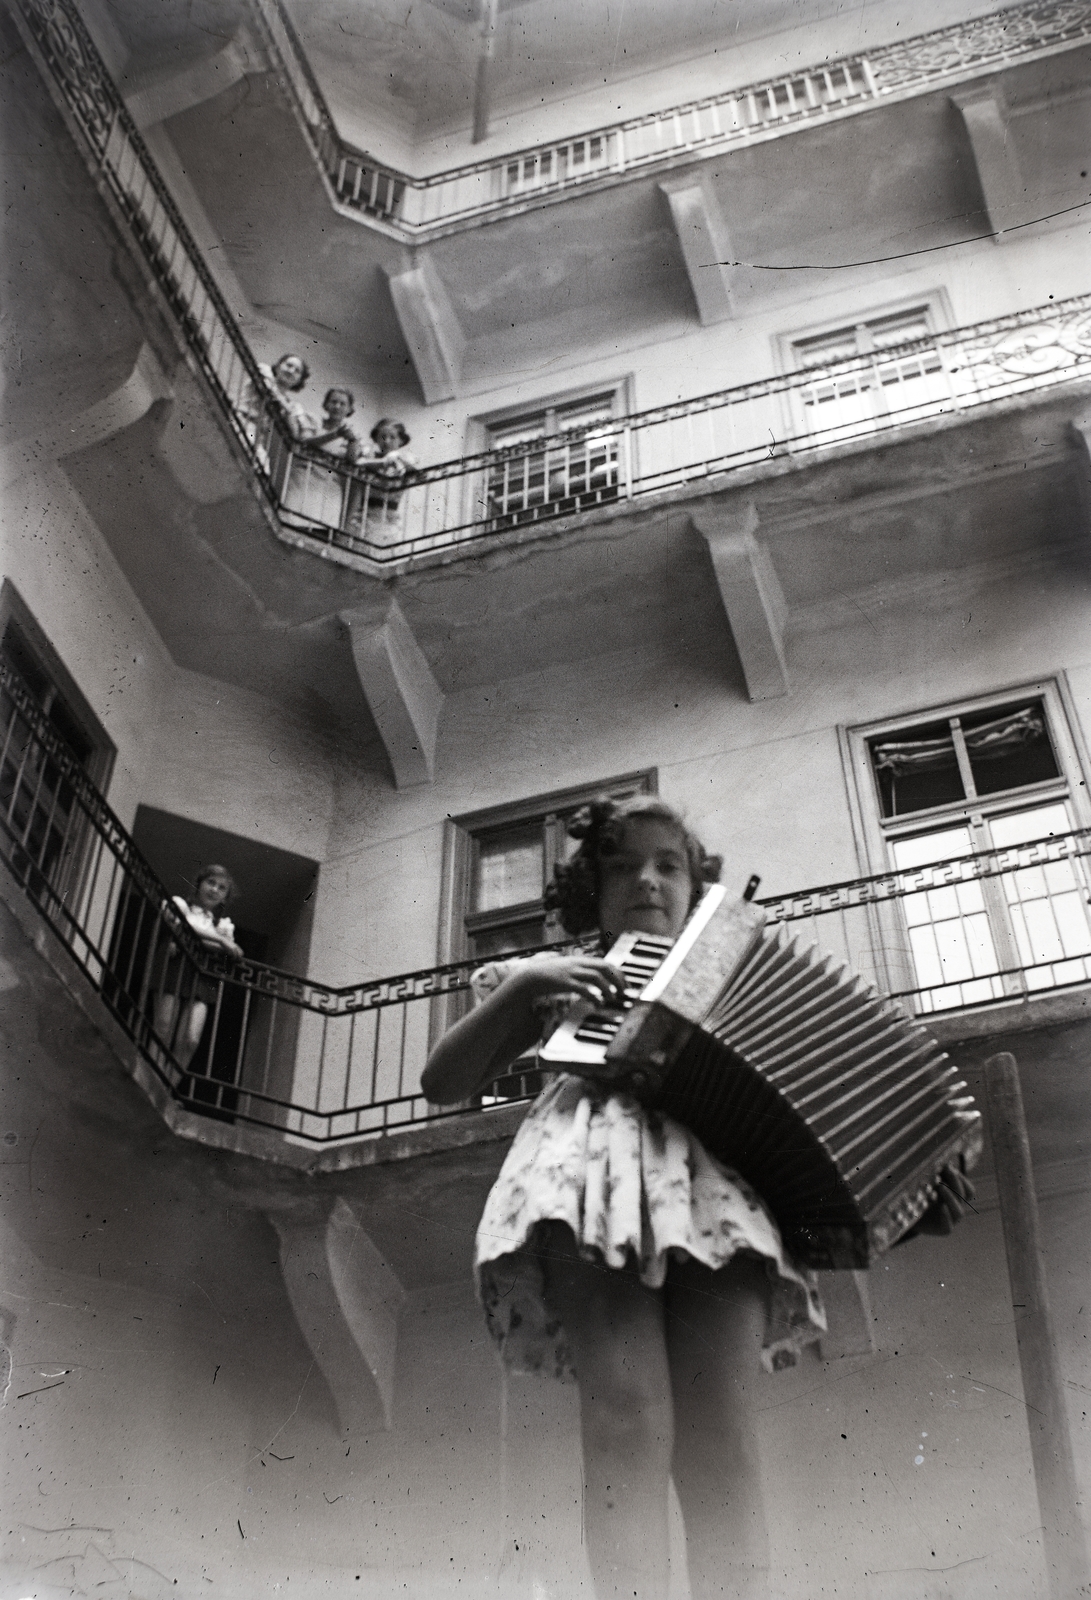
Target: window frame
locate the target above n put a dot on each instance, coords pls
(461, 833)
(936, 302)
(13, 608)
(458, 864)
(478, 428)
(875, 834)
(70, 881)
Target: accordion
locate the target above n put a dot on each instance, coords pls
(838, 1109)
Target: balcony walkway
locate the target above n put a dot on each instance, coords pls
(348, 515)
(419, 209)
(318, 1066)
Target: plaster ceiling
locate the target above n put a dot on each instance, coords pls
(416, 63)
(411, 67)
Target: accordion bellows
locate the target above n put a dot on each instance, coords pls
(838, 1109)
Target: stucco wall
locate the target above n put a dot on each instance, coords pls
(185, 743)
(672, 358)
(762, 783)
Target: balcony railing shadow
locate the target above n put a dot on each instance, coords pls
(322, 1065)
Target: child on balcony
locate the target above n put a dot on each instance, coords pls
(180, 987)
(614, 1248)
(283, 381)
(374, 503)
(328, 492)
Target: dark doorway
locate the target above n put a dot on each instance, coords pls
(272, 917)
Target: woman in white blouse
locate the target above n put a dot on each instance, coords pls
(207, 917)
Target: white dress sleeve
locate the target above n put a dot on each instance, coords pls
(488, 978)
(550, 1009)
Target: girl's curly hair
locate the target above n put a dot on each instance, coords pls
(574, 891)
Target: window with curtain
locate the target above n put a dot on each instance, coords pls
(498, 864)
(506, 861)
(985, 778)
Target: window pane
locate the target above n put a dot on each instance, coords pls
(1019, 827)
(1009, 748)
(490, 943)
(510, 868)
(17, 653)
(948, 926)
(915, 769)
(1048, 903)
(581, 464)
(820, 348)
(899, 328)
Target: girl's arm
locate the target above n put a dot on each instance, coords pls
(485, 1043)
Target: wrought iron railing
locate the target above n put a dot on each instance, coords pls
(464, 196)
(354, 512)
(322, 1064)
(276, 1049)
(702, 441)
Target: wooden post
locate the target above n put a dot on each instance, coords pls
(1043, 1387)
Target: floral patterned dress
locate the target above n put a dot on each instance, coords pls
(633, 1186)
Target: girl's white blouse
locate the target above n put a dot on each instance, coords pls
(203, 922)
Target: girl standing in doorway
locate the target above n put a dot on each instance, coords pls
(181, 1009)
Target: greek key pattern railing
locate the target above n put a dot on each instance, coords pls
(463, 196)
(321, 1064)
(937, 875)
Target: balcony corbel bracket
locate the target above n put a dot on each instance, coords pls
(752, 597)
(146, 384)
(705, 242)
(1081, 429)
(985, 116)
(400, 690)
(346, 1299)
(430, 328)
(156, 100)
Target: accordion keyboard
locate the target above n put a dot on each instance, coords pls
(587, 1030)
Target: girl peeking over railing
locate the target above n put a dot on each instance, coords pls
(374, 502)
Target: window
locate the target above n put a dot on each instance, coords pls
(496, 868)
(876, 384)
(988, 777)
(562, 456)
(500, 861)
(44, 832)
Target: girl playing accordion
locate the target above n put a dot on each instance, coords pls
(615, 1249)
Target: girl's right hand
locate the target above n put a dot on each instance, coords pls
(586, 977)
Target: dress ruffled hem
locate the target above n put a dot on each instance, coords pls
(635, 1188)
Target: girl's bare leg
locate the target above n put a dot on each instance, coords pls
(714, 1326)
(183, 1042)
(615, 1330)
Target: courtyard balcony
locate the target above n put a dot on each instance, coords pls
(981, 944)
(423, 208)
